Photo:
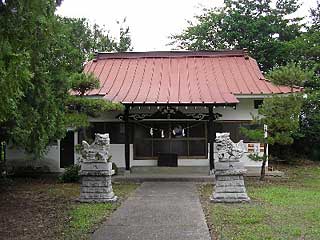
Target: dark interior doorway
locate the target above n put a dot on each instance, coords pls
(191, 144)
(67, 150)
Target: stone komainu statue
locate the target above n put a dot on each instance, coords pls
(96, 171)
(228, 150)
(229, 171)
(98, 150)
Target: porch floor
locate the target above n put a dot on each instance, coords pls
(179, 174)
(176, 174)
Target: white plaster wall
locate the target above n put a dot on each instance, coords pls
(118, 154)
(243, 111)
(16, 157)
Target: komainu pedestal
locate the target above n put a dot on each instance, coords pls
(96, 171)
(229, 171)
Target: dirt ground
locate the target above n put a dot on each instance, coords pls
(29, 211)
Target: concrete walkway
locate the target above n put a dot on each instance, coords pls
(158, 211)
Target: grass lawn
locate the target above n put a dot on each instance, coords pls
(84, 218)
(44, 209)
(280, 209)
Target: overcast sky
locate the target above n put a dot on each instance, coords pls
(150, 21)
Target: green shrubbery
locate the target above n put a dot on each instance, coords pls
(115, 168)
(70, 174)
(28, 171)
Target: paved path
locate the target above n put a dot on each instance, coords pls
(158, 211)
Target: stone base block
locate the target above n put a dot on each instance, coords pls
(95, 200)
(229, 197)
(230, 172)
(228, 165)
(96, 189)
(234, 183)
(229, 178)
(97, 197)
(230, 189)
(229, 200)
(103, 173)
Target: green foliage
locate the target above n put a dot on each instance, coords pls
(14, 74)
(310, 118)
(79, 109)
(256, 157)
(115, 168)
(92, 106)
(304, 50)
(315, 16)
(124, 43)
(254, 131)
(70, 174)
(252, 24)
(76, 120)
(40, 54)
(81, 82)
(34, 69)
(88, 39)
(290, 75)
(281, 115)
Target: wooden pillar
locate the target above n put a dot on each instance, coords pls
(127, 140)
(211, 137)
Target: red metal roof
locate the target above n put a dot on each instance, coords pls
(211, 77)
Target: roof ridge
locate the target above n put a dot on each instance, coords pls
(171, 54)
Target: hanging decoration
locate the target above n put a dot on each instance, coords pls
(177, 131)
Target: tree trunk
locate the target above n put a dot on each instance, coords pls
(264, 162)
(263, 168)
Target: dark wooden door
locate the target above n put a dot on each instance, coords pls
(67, 150)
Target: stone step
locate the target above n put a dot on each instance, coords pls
(103, 189)
(230, 189)
(230, 196)
(159, 178)
(233, 183)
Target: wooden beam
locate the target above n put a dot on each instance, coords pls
(211, 137)
(127, 142)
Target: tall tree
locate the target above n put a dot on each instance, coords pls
(38, 56)
(252, 24)
(30, 30)
(291, 75)
(88, 39)
(281, 116)
(305, 51)
(315, 16)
